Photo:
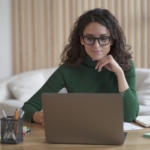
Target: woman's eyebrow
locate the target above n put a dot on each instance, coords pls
(104, 34)
(88, 34)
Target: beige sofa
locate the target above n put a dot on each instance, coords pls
(15, 90)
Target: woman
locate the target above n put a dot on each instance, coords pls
(96, 60)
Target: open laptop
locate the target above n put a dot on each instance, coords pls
(82, 118)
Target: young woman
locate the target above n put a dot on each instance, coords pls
(96, 60)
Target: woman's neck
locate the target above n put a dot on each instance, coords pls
(89, 62)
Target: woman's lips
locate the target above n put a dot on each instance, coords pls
(97, 52)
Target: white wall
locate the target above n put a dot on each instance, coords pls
(6, 66)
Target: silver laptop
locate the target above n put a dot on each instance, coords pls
(78, 118)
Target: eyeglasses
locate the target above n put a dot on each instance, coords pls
(90, 40)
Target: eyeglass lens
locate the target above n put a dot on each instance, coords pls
(104, 40)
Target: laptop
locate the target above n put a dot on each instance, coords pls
(82, 118)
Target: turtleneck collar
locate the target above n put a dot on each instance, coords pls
(89, 62)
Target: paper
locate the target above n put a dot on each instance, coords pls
(129, 126)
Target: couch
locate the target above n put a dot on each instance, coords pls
(14, 91)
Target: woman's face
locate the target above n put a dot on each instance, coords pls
(97, 50)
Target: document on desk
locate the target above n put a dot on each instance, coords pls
(129, 126)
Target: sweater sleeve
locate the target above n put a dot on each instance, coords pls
(130, 99)
(54, 84)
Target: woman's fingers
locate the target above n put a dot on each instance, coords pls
(108, 62)
(97, 66)
(38, 117)
(102, 63)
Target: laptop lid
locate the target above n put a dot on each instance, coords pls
(80, 118)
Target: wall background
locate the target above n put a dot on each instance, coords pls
(41, 29)
(33, 32)
(6, 62)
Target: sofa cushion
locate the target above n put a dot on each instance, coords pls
(144, 91)
(143, 88)
(144, 110)
(10, 106)
(26, 85)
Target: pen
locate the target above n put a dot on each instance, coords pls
(22, 114)
(8, 133)
(20, 111)
(16, 115)
(12, 132)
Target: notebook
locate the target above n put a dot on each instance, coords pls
(78, 118)
(143, 120)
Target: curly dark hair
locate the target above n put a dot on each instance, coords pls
(74, 53)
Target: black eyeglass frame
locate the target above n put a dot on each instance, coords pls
(109, 37)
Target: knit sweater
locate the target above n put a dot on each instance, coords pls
(86, 79)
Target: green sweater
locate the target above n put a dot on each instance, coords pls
(86, 79)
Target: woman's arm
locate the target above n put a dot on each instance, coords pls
(32, 107)
(126, 86)
(131, 105)
(122, 83)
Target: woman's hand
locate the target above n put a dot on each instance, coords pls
(110, 64)
(38, 118)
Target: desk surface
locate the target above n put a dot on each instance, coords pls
(36, 141)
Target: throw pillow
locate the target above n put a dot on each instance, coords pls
(144, 91)
(26, 85)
